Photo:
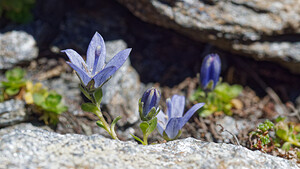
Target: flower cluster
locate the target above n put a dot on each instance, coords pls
(94, 73)
(169, 125)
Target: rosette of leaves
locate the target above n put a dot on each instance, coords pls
(262, 135)
(50, 105)
(15, 81)
(17, 10)
(287, 134)
(220, 99)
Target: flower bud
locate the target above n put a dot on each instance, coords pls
(210, 71)
(149, 103)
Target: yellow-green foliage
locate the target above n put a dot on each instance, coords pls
(217, 100)
(48, 103)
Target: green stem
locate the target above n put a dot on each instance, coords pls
(110, 131)
(145, 138)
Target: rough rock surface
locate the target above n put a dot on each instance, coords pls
(42, 149)
(12, 112)
(266, 30)
(233, 126)
(16, 47)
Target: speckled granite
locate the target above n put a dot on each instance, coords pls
(42, 149)
(16, 47)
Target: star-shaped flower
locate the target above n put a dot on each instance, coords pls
(94, 70)
(170, 124)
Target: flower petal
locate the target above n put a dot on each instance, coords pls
(178, 103)
(103, 75)
(190, 113)
(75, 58)
(96, 53)
(216, 70)
(161, 117)
(169, 107)
(82, 73)
(173, 127)
(119, 59)
(160, 128)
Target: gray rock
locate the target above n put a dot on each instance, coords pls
(266, 30)
(12, 112)
(122, 92)
(42, 149)
(233, 126)
(16, 47)
(22, 126)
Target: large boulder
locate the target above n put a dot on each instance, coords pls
(265, 30)
(43, 149)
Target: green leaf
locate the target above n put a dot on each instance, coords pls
(151, 114)
(144, 126)
(38, 99)
(279, 119)
(98, 95)
(286, 146)
(87, 95)
(138, 139)
(282, 134)
(112, 127)
(89, 107)
(12, 91)
(53, 99)
(205, 113)
(265, 139)
(15, 74)
(152, 126)
(141, 109)
(100, 124)
(61, 108)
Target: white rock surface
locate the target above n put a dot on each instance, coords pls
(16, 47)
(42, 149)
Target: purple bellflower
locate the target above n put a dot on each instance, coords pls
(94, 72)
(150, 101)
(169, 125)
(210, 70)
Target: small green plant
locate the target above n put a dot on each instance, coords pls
(262, 135)
(287, 134)
(217, 100)
(15, 81)
(17, 10)
(51, 105)
(48, 104)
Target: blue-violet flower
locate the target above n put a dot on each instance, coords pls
(170, 124)
(94, 70)
(210, 70)
(150, 101)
